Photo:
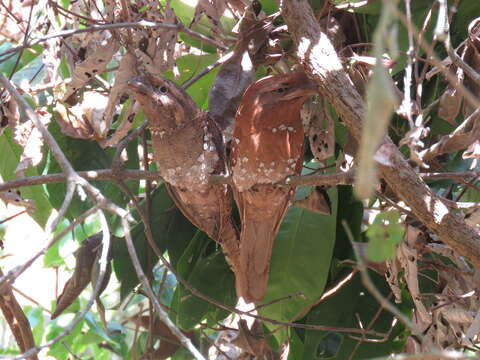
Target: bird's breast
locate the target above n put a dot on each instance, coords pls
(186, 158)
(266, 153)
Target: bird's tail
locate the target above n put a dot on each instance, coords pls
(256, 243)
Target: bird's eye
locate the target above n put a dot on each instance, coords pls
(163, 90)
(281, 90)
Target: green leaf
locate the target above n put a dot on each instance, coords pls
(466, 12)
(339, 310)
(53, 258)
(384, 234)
(8, 163)
(179, 234)
(163, 216)
(59, 350)
(189, 66)
(88, 155)
(269, 6)
(300, 260)
(33, 73)
(193, 253)
(96, 327)
(213, 277)
(6, 66)
(37, 322)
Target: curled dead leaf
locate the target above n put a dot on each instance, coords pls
(317, 201)
(13, 196)
(79, 121)
(94, 64)
(86, 257)
(320, 129)
(449, 106)
(27, 136)
(126, 70)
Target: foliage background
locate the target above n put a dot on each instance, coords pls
(312, 252)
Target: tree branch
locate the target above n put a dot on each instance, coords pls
(121, 25)
(322, 63)
(128, 174)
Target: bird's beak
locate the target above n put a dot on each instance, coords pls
(303, 87)
(140, 86)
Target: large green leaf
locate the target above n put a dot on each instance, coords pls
(33, 72)
(189, 66)
(88, 155)
(162, 215)
(213, 277)
(466, 12)
(8, 162)
(300, 260)
(350, 210)
(339, 310)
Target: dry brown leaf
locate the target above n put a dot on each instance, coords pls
(157, 47)
(124, 127)
(78, 121)
(85, 258)
(320, 130)
(126, 70)
(27, 136)
(94, 64)
(449, 106)
(317, 201)
(9, 114)
(253, 340)
(472, 58)
(15, 317)
(12, 196)
(169, 343)
(213, 10)
(473, 151)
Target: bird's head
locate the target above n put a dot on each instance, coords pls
(166, 105)
(280, 90)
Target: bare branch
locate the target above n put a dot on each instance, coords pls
(121, 25)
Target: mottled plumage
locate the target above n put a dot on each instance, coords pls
(267, 147)
(188, 147)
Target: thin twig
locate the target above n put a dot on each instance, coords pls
(12, 217)
(63, 209)
(207, 298)
(428, 48)
(205, 71)
(374, 291)
(18, 270)
(274, 301)
(20, 292)
(160, 312)
(458, 138)
(93, 28)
